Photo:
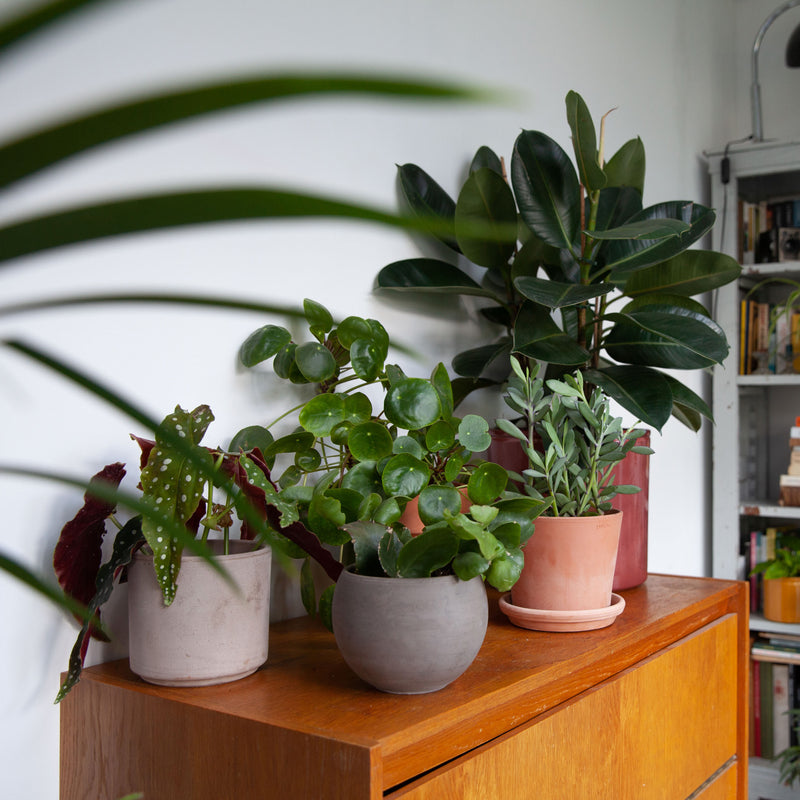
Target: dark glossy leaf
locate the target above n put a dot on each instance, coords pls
(473, 433)
(642, 391)
(366, 538)
(505, 571)
(367, 357)
(556, 295)
(486, 157)
(426, 553)
(428, 275)
(321, 414)
(624, 257)
(428, 200)
(370, 441)
(412, 404)
(34, 151)
(249, 438)
(291, 443)
(486, 202)
(667, 336)
(537, 336)
(615, 207)
(435, 500)
(388, 512)
(388, 551)
(687, 406)
(357, 408)
(263, 344)
(486, 483)
(534, 254)
(650, 229)
(327, 520)
(315, 361)
(627, 166)
(440, 436)
(659, 300)
(362, 478)
(469, 564)
(584, 143)
(318, 317)
(352, 328)
(405, 476)
(444, 388)
(547, 189)
(689, 273)
(473, 363)
(308, 460)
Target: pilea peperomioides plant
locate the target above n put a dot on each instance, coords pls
(576, 240)
(353, 468)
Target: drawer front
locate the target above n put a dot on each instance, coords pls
(660, 730)
(723, 787)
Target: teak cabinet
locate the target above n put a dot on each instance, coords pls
(653, 706)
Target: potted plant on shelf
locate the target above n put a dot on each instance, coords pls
(781, 584)
(579, 274)
(215, 629)
(566, 581)
(409, 611)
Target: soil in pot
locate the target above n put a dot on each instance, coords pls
(213, 632)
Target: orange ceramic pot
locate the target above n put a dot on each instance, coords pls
(782, 599)
(569, 563)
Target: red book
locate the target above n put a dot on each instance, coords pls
(755, 687)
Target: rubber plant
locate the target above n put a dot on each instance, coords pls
(350, 466)
(36, 150)
(588, 279)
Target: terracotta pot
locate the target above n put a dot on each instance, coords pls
(410, 516)
(409, 635)
(634, 469)
(213, 632)
(782, 599)
(569, 563)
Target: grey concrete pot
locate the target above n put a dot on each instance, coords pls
(212, 633)
(409, 635)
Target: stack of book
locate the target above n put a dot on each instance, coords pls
(774, 691)
(790, 481)
(760, 230)
(767, 334)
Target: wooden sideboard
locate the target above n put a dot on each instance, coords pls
(654, 706)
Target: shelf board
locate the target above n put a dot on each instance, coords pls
(764, 781)
(769, 269)
(759, 623)
(792, 379)
(767, 508)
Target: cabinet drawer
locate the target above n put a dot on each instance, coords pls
(658, 730)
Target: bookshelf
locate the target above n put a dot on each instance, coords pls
(753, 412)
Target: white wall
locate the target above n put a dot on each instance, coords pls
(675, 70)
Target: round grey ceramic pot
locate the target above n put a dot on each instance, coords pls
(409, 635)
(212, 632)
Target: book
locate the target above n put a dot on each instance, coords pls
(780, 707)
(766, 705)
(755, 680)
(775, 654)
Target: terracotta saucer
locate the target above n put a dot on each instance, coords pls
(538, 619)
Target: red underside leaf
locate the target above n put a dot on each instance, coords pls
(78, 552)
